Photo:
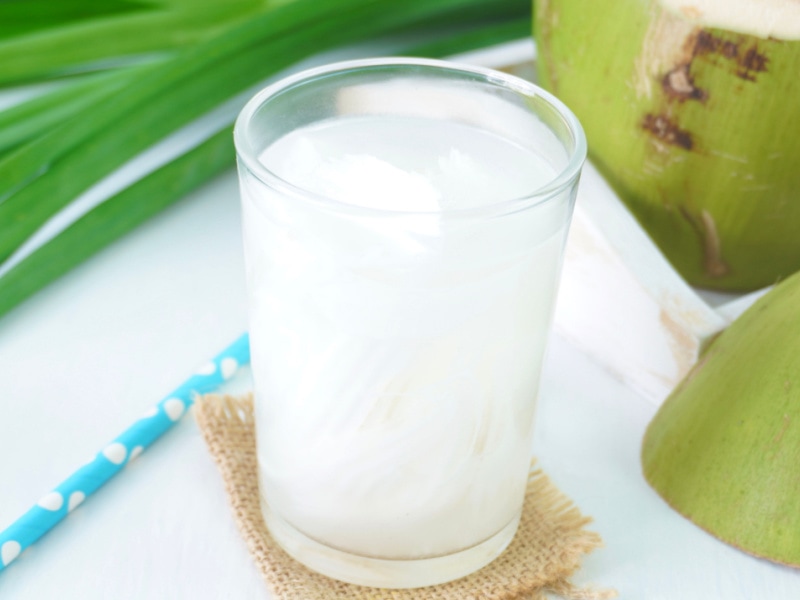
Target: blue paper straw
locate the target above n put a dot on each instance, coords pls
(58, 503)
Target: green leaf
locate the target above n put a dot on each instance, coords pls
(101, 42)
(18, 17)
(43, 176)
(114, 218)
(127, 209)
(25, 121)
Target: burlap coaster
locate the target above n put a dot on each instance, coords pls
(547, 549)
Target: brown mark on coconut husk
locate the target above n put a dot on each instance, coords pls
(678, 84)
(741, 51)
(666, 130)
(664, 46)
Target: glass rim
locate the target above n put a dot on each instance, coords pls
(247, 155)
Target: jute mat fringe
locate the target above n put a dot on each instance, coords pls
(546, 551)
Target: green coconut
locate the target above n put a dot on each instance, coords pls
(692, 112)
(724, 449)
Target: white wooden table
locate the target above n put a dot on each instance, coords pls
(83, 359)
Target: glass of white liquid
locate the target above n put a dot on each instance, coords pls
(404, 224)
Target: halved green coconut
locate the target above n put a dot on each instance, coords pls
(724, 449)
(692, 112)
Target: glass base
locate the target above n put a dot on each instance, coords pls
(385, 573)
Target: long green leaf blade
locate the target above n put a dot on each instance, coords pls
(19, 17)
(25, 121)
(114, 218)
(171, 95)
(96, 43)
(126, 210)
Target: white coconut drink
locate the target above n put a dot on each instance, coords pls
(692, 112)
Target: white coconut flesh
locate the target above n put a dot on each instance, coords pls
(778, 19)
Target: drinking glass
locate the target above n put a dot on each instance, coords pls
(397, 336)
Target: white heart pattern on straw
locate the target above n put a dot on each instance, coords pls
(206, 369)
(136, 451)
(52, 501)
(75, 498)
(50, 510)
(9, 552)
(228, 367)
(116, 453)
(174, 408)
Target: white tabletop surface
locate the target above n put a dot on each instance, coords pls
(83, 359)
